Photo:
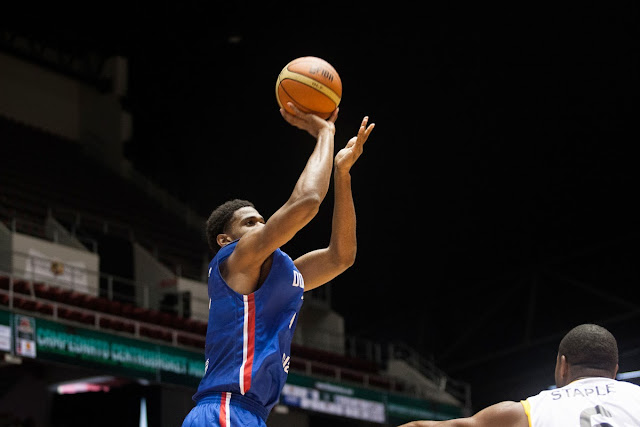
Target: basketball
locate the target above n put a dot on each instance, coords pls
(311, 84)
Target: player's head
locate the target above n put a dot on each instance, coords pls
(587, 350)
(229, 222)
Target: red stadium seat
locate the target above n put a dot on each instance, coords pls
(24, 303)
(114, 307)
(22, 287)
(44, 308)
(42, 290)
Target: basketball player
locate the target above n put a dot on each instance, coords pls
(587, 392)
(256, 289)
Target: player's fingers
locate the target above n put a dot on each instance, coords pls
(286, 115)
(369, 129)
(290, 118)
(363, 133)
(332, 118)
(301, 115)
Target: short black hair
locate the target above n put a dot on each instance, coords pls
(219, 219)
(590, 346)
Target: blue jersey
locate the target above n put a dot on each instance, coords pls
(248, 340)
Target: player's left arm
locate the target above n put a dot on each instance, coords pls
(320, 266)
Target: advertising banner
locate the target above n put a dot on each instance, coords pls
(25, 333)
(52, 341)
(332, 398)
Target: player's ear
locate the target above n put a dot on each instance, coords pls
(563, 366)
(223, 239)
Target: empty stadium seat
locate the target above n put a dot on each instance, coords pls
(24, 303)
(44, 308)
(22, 286)
(42, 290)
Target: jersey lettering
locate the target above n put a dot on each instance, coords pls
(297, 279)
(285, 362)
(292, 319)
(576, 392)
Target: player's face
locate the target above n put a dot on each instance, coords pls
(245, 219)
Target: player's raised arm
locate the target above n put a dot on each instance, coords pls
(322, 265)
(305, 199)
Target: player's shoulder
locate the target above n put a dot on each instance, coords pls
(626, 385)
(226, 250)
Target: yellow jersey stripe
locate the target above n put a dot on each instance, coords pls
(527, 409)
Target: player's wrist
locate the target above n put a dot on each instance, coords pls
(326, 131)
(341, 171)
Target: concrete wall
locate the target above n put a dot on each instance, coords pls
(51, 101)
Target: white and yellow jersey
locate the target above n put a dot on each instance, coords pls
(589, 402)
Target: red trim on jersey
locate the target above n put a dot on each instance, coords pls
(250, 340)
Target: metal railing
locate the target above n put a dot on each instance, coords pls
(65, 275)
(460, 390)
(25, 300)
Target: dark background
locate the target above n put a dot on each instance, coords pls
(497, 195)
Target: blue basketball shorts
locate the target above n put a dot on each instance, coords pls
(224, 410)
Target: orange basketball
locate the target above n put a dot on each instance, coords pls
(311, 84)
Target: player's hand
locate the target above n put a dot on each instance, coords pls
(352, 151)
(310, 122)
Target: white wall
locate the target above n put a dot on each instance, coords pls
(153, 279)
(159, 279)
(199, 297)
(320, 327)
(34, 259)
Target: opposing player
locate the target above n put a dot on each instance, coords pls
(587, 392)
(256, 289)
